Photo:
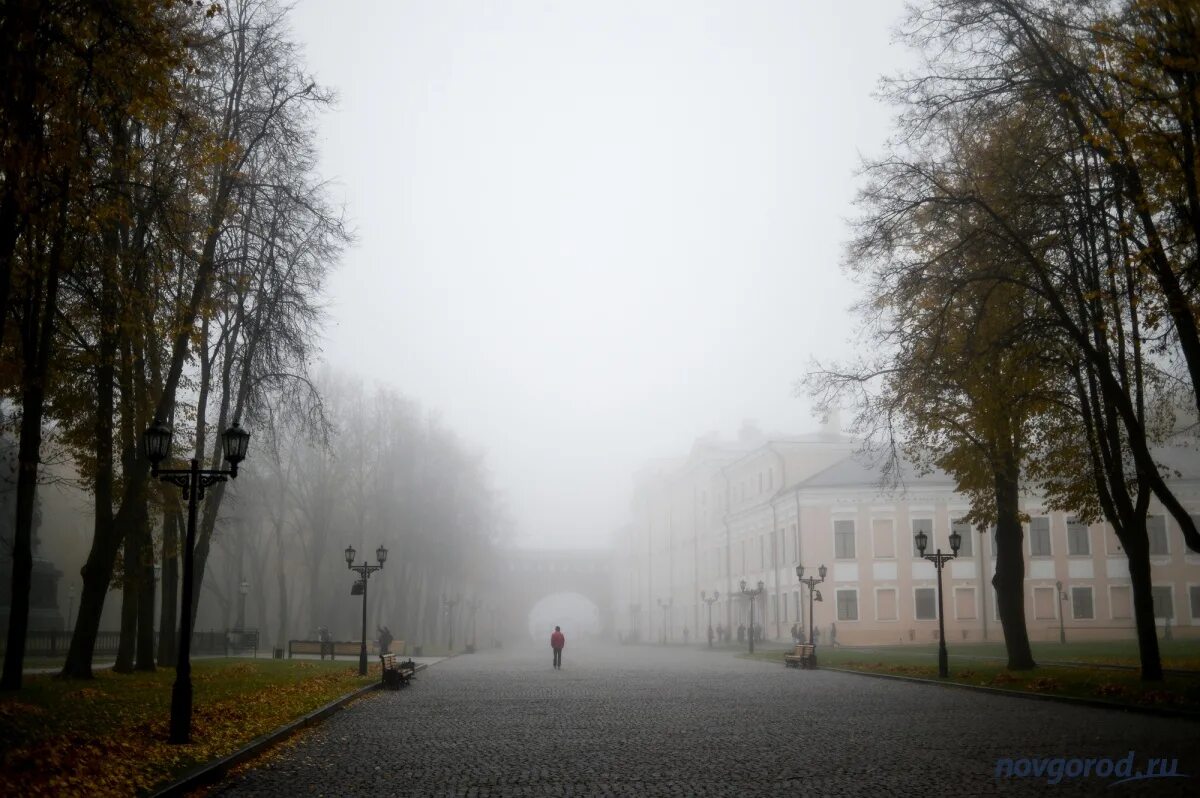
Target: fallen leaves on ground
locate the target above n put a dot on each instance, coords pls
(127, 752)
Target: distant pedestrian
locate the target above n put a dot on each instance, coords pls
(816, 635)
(710, 636)
(720, 633)
(833, 643)
(385, 639)
(685, 635)
(557, 642)
(741, 632)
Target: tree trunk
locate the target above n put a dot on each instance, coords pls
(145, 607)
(37, 336)
(129, 605)
(1009, 580)
(1143, 603)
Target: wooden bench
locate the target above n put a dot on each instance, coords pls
(396, 674)
(805, 656)
(334, 648)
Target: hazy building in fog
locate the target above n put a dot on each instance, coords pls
(754, 507)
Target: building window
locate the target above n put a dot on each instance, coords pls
(847, 605)
(1044, 599)
(1039, 537)
(922, 525)
(1081, 603)
(883, 539)
(925, 603)
(1164, 603)
(885, 605)
(964, 603)
(967, 549)
(1078, 543)
(1121, 600)
(1156, 526)
(843, 540)
(1194, 599)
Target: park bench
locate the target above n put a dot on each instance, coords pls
(396, 674)
(805, 656)
(335, 648)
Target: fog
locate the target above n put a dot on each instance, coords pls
(588, 233)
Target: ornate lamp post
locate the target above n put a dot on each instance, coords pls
(666, 608)
(709, 601)
(364, 572)
(157, 439)
(752, 595)
(450, 603)
(812, 583)
(243, 590)
(938, 559)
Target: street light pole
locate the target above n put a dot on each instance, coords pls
(193, 481)
(938, 559)
(450, 604)
(666, 608)
(812, 583)
(474, 604)
(752, 595)
(709, 601)
(364, 572)
(243, 589)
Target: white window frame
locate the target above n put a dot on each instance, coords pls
(896, 591)
(912, 536)
(1193, 617)
(1087, 536)
(1111, 604)
(1049, 537)
(854, 537)
(1092, 599)
(916, 604)
(966, 536)
(976, 602)
(876, 555)
(837, 605)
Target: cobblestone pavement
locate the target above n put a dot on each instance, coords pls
(641, 721)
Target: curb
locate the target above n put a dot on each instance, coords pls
(1096, 703)
(211, 772)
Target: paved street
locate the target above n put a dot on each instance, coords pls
(648, 721)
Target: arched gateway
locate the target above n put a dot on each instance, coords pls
(526, 576)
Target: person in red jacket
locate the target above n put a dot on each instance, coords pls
(557, 641)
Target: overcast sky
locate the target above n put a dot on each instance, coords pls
(589, 232)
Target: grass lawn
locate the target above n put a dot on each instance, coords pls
(984, 664)
(109, 736)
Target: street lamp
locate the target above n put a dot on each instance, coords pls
(635, 610)
(243, 589)
(938, 559)
(193, 481)
(812, 583)
(450, 604)
(364, 572)
(752, 595)
(473, 605)
(709, 601)
(1062, 598)
(666, 608)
